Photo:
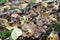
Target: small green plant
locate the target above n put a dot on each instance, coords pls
(4, 34)
(55, 27)
(2, 1)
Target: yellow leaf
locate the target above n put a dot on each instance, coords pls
(24, 20)
(7, 7)
(8, 26)
(11, 27)
(24, 17)
(44, 3)
(32, 23)
(29, 30)
(52, 18)
(53, 36)
(45, 14)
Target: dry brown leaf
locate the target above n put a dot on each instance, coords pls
(43, 30)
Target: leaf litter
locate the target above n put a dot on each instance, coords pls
(29, 19)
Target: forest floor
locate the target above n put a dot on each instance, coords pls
(29, 20)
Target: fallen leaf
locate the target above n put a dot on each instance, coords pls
(53, 19)
(24, 17)
(24, 20)
(7, 7)
(44, 3)
(8, 26)
(32, 23)
(29, 30)
(16, 33)
(14, 15)
(11, 27)
(53, 36)
(43, 30)
(22, 6)
(45, 14)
